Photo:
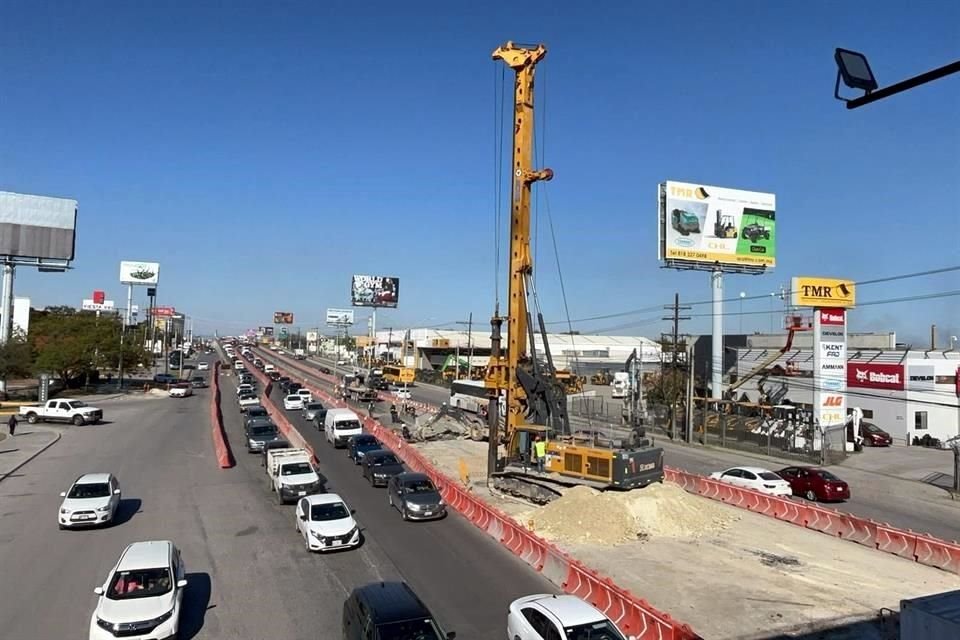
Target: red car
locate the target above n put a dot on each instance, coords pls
(874, 436)
(815, 484)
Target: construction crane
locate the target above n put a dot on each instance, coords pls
(536, 402)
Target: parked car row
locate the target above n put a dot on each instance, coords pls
(812, 483)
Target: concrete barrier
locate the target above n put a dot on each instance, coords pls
(221, 445)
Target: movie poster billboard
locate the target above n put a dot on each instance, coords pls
(375, 291)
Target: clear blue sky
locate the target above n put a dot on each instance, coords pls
(264, 152)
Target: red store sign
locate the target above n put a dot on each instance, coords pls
(833, 316)
(869, 375)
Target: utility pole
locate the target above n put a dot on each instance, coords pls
(676, 318)
(469, 324)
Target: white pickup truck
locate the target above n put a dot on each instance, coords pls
(299, 354)
(292, 474)
(62, 410)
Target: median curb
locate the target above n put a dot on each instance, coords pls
(36, 453)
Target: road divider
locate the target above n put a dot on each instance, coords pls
(278, 415)
(220, 443)
(634, 616)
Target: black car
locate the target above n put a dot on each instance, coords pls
(389, 610)
(360, 445)
(293, 387)
(259, 433)
(415, 496)
(380, 465)
(275, 376)
(256, 412)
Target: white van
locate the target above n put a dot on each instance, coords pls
(340, 425)
(269, 368)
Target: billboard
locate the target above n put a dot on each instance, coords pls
(89, 304)
(830, 367)
(875, 375)
(823, 292)
(37, 226)
(282, 317)
(707, 225)
(21, 315)
(339, 317)
(375, 291)
(265, 331)
(312, 336)
(163, 312)
(146, 273)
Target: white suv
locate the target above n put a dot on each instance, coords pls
(92, 499)
(560, 617)
(142, 594)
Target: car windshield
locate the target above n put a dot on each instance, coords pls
(367, 441)
(314, 406)
(77, 404)
(333, 511)
(347, 424)
(423, 629)
(872, 428)
(248, 396)
(769, 475)
(293, 397)
(256, 412)
(139, 583)
(385, 460)
(296, 469)
(263, 430)
(600, 630)
(92, 490)
(419, 486)
(826, 475)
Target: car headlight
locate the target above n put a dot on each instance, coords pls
(63, 510)
(104, 508)
(161, 619)
(103, 624)
(413, 506)
(316, 535)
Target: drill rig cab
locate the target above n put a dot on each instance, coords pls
(536, 403)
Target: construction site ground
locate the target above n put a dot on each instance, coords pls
(729, 573)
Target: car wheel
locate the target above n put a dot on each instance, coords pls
(78, 420)
(390, 499)
(810, 495)
(32, 418)
(61, 526)
(403, 513)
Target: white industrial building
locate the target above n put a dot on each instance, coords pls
(585, 354)
(906, 393)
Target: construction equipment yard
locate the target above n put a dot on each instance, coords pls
(729, 573)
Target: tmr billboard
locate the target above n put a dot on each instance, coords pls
(37, 226)
(706, 225)
(375, 291)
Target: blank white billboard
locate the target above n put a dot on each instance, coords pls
(37, 226)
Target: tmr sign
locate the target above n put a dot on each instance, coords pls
(823, 292)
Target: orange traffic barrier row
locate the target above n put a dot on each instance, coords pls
(220, 443)
(633, 615)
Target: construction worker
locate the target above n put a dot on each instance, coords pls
(540, 452)
(394, 416)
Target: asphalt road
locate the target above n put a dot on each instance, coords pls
(249, 574)
(462, 574)
(903, 503)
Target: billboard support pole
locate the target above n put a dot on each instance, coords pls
(373, 336)
(126, 316)
(6, 311)
(716, 365)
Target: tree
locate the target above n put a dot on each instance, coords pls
(16, 358)
(666, 388)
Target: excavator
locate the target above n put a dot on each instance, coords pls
(536, 404)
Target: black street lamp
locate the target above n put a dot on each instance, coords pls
(855, 71)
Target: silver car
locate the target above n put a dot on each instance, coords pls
(311, 409)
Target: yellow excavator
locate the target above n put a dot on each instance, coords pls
(536, 404)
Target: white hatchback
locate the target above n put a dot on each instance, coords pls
(326, 523)
(142, 595)
(203, 366)
(293, 402)
(560, 617)
(756, 478)
(92, 499)
(305, 395)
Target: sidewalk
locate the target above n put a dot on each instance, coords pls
(30, 441)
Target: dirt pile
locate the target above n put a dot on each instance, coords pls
(585, 516)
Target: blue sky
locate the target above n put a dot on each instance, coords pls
(264, 152)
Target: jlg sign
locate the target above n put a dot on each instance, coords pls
(823, 292)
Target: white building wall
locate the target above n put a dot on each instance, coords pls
(938, 401)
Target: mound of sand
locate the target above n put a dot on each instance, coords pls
(585, 516)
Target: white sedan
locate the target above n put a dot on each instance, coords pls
(756, 478)
(142, 595)
(326, 523)
(293, 402)
(181, 390)
(305, 395)
(92, 499)
(203, 366)
(561, 617)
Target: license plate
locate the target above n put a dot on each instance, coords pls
(428, 513)
(83, 517)
(337, 543)
(301, 493)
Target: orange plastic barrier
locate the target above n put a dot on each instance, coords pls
(220, 443)
(634, 616)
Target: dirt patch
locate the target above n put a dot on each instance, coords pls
(585, 516)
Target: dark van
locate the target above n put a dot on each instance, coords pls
(389, 611)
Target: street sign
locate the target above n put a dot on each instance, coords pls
(90, 305)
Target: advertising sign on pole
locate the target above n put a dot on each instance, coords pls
(830, 367)
(99, 297)
(375, 291)
(312, 336)
(37, 226)
(282, 317)
(339, 317)
(266, 331)
(707, 226)
(823, 292)
(164, 312)
(89, 304)
(142, 273)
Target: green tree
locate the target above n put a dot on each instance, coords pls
(16, 358)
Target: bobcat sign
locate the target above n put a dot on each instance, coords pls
(830, 367)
